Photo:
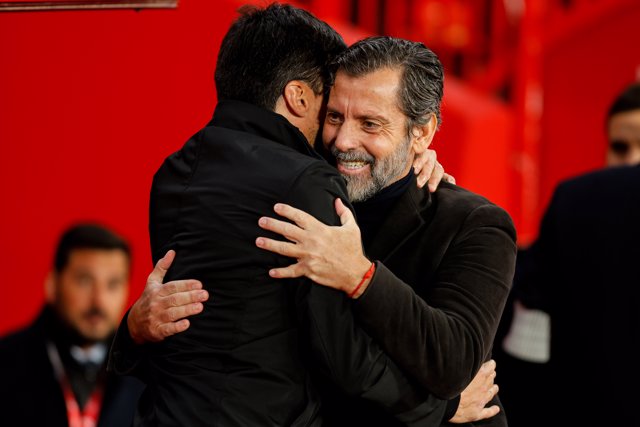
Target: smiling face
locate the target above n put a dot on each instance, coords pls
(366, 131)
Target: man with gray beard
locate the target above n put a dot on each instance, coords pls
(250, 357)
(433, 279)
(452, 252)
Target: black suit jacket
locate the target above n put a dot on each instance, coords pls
(452, 254)
(584, 272)
(30, 394)
(246, 359)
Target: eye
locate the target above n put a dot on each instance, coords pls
(619, 147)
(115, 284)
(369, 125)
(333, 118)
(84, 280)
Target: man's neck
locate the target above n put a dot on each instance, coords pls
(373, 212)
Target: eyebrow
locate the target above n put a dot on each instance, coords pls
(362, 116)
(371, 116)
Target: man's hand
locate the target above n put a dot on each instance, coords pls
(428, 170)
(475, 397)
(161, 309)
(330, 256)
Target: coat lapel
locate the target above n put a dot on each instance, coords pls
(403, 222)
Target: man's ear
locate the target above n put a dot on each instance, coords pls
(297, 97)
(50, 287)
(422, 135)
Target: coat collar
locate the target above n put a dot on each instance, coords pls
(404, 220)
(245, 117)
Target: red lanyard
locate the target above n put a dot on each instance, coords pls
(88, 417)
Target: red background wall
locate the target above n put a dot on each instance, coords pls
(587, 62)
(90, 104)
(92, 101)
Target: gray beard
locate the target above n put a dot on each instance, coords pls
(383, 172)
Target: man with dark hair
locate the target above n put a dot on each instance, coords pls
(456, 249)
(53, 373)
(583, 272)
(623, 128)
(524, 338)
(247, 358)
(443, 262)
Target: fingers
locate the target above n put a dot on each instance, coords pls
(488, 366)
(494, 391)
(289, 272)
(343, 212)
(179, 286)
(489, 412)
(282, 248)
(160, 270)
(177, 299)
(423, 166)
(176, 314)
(168, 329)
(449, 178)
(301, 218)
(286, 229)
(436, 177)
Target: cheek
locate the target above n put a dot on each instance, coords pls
(74, 301)
(378, 146)
(116, 300)
(328, 135)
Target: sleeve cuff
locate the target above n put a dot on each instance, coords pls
(125, 355)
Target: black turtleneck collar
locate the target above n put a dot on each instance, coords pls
(245, 117)
(372, 212)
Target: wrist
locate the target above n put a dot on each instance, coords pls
(363, 280)
(133, 332)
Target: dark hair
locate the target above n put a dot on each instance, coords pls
(628, 100)
(87, 236)
(266, 48)
(422, 80)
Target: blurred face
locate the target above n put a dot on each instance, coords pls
(366, 132)
(624, 139)
(91, 292)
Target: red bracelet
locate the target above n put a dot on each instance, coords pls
(367, 275)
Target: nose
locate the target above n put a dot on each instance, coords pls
(100, 295)
(346, 137)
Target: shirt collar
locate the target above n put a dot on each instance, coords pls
(245, 117)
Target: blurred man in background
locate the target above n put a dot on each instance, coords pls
(537, 345)
(53, 372)
(623, 128)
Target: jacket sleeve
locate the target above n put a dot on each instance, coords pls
(533, 277)
(442, 337)
(125, 356)
(342, 350)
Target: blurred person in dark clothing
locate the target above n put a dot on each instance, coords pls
(53, 373)
(532, 339)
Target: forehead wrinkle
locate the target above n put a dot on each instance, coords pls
(360, 108)
(372, 86)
